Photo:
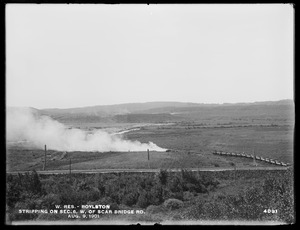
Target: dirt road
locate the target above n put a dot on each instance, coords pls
(149, 170)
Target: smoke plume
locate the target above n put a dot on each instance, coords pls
(24, 124)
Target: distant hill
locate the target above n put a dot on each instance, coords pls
(150, 107)
(155, 112)
(109, 110)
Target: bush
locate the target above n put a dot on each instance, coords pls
(13, 191)
(130, 199)
(158, 192)
(173, 204)
(28, 204)
(187, 195)
(49, 201)
(215, 210)
(189, 176)
(177, 217)
(163, 177)
(176, 184)
(143, 201)
(152, 209)
(196, 211)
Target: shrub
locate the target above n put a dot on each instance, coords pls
(215, 210)
(163, 177)
(177, 217)
(76, 198)
(173, 204)
(50, 200)
(130, 199)
(152, 209)
(176, 184)
(196, 211)
(93, 194)
(187, 195)
(36, 185)
(143, 201)
(28, 204)
(189, 176)
(13, 191)
(157, 192)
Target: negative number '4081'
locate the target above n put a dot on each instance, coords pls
(270, 211)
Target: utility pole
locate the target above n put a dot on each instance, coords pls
(70, 163)
(148, 158)
(45, 158)
(70, 169)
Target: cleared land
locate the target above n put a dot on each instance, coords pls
(194, 149)
(194, 132)
(266, 141)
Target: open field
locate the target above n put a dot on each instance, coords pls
(194, 147)
(22, 160)
(193, 141)
(267, 141)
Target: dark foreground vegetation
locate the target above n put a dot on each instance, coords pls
(173, 196)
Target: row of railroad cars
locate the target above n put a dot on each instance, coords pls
(268, 160)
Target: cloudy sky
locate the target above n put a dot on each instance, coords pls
(66, 56)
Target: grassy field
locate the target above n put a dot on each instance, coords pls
(19, 160)
(194, 145)
(266, 130)
(267, 141)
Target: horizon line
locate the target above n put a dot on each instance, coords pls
(183, 102)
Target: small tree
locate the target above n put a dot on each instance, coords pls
(163, 176)
(36, 185)
(173, 204)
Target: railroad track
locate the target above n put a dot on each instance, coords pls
(264, 159)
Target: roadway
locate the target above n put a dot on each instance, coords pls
(91, 171)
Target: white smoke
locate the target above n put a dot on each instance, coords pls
(24, 124)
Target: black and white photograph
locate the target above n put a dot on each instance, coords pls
(144, 114)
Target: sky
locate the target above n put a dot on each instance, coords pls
(68, 55)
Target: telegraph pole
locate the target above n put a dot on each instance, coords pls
(148, 158)
(45, 158)
(70, 167)
(70, 162)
